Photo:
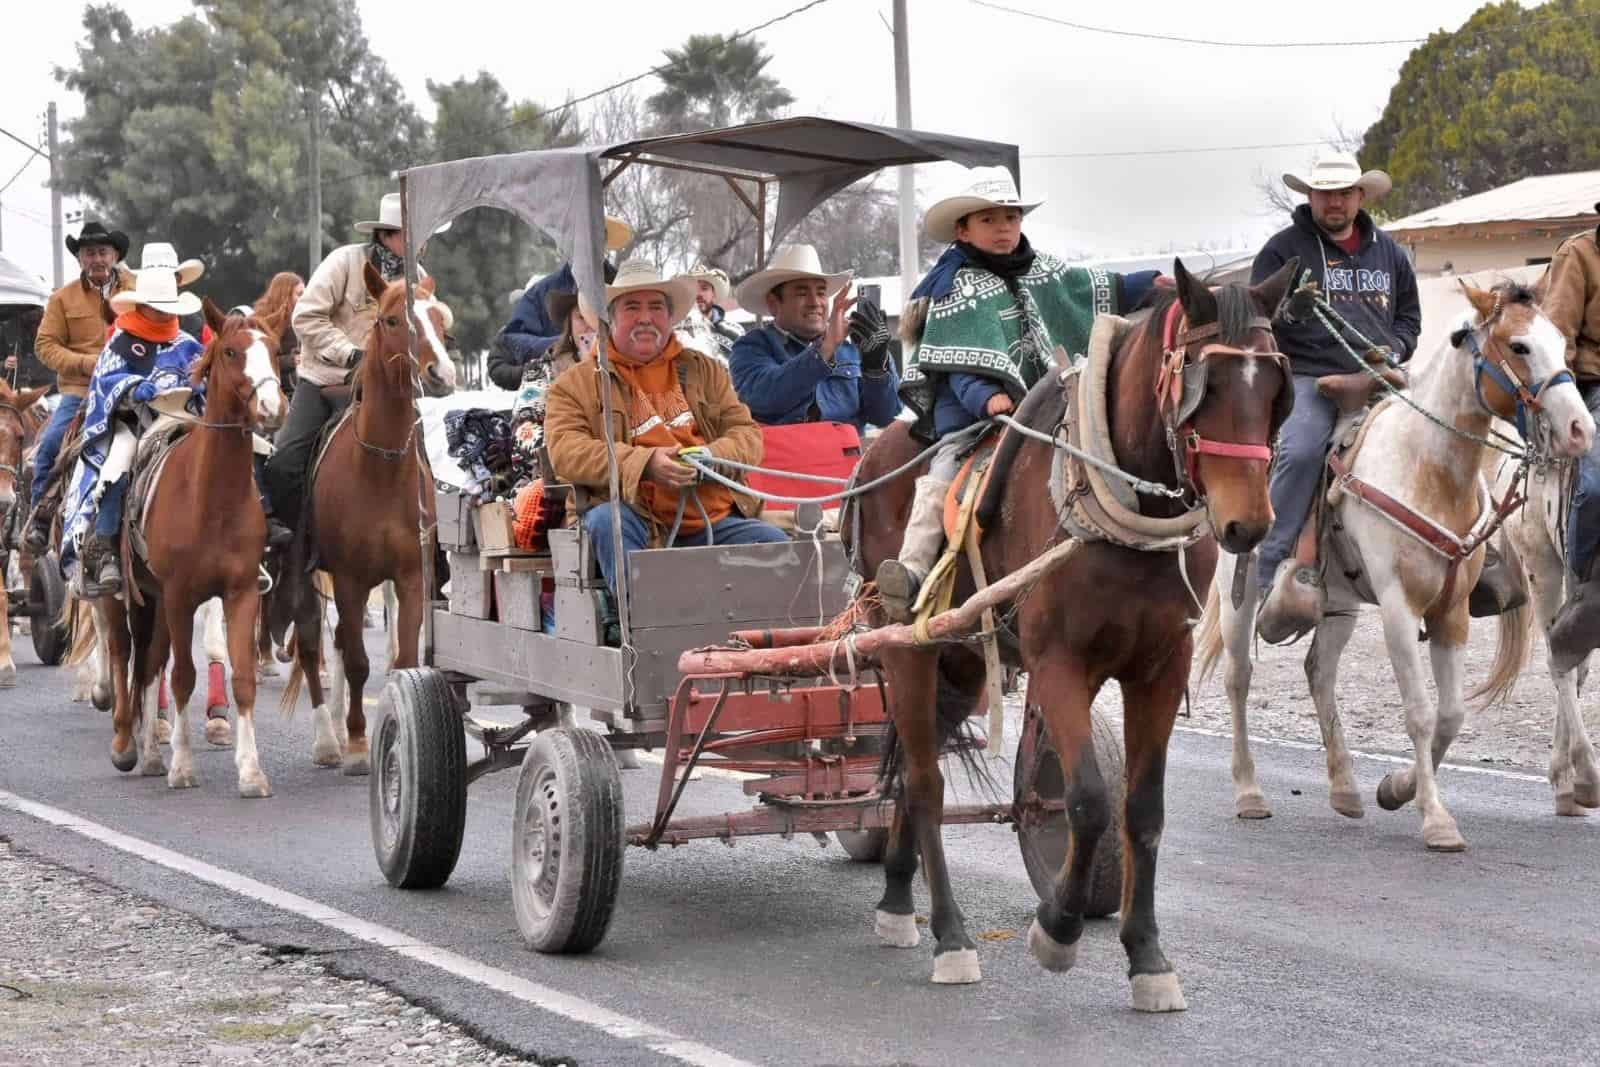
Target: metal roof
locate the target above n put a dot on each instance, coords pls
(1559, 198)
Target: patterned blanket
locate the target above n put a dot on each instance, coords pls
(130, 373)
(979, 328)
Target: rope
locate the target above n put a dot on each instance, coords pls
(1138, 484)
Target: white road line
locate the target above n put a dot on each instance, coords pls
(543, 997)
(1377, 757)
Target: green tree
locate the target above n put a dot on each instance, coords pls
(1514, 92)
(487, 251)
(712, 82)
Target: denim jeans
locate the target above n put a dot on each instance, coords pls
(49, 446)
(1583, 524)
(1296, 473)
(734, 530)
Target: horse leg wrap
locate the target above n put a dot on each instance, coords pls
(216, 690)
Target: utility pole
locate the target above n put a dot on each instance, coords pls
(909, 267)
(314, 199)
(56, 245)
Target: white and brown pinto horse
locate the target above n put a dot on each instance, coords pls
(1412, 474)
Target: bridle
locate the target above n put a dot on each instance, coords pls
(15, 469)
(1500, 373)
(393, 455)
(1180, 389)
(249, 398)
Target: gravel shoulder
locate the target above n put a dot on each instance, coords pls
(92, 976)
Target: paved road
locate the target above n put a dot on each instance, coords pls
(1306, 936)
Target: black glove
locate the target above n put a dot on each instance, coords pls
(1301, 302)
(869, 332)
(354, 357)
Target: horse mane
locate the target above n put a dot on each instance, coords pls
(1510, 293)
(1236, 310)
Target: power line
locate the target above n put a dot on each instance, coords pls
(1174, 151)
(26, 163)
(1208, 42)
(543, 112)
(30, 147)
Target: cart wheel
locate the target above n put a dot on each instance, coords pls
(567, 840)
(418, 802)
(863, 846)
(1042, 835)
(51, 636)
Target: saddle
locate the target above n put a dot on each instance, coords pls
(149, 463)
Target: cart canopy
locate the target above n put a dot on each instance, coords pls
(19, 289)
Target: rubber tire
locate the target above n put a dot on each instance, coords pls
(51, 638)
(863, 846)
(418, 726)
(1043, 841)
(572, 773)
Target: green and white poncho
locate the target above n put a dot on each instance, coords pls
(979, 328)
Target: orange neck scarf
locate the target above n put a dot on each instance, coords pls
(142, 326)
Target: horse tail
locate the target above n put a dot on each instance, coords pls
(953, 710)
(1514, 640)
(291, 690)
(79, 616)
(1208, 635)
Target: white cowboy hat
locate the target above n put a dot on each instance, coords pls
(640, 274)
(389, 217)
(158, 255)
(986, 187)
(788, 263)
(718, 278)
(156, 287)
(1339, 170)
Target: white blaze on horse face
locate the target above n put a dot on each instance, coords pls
(1571, 426)
(258, 368)
(444, 369)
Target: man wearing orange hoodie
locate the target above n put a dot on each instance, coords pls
(666, 399)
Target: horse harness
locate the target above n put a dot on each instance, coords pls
(1181, 387)
(1500, 373)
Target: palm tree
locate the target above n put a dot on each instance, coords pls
(712, 82)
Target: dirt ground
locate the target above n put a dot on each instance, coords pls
(1516, 732)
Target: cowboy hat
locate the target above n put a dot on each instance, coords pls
(788, 263)
(987, 187)
(640, 274)
(618, 233)
(1339, 170)
(156, 287)
(702, 272)
(389, 217)
(93, 233)
(158, 255)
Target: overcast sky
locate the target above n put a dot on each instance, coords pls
(1054, 90)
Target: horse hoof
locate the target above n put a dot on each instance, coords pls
(163, 732)
(125, 761)
(896, 931)
(1347, 803)
(356, 765)
(218, 732)
(1158, 992)
(255, 788)
(153, 766)
(959, 966)
(1051, 954)
(8, 676)
(1386, 796)
(1252, 805)
(1443, 837)
(1567, 807)
(329, 755)
(1586, 794)
(266, 672)
(182, 778)
(100, 697)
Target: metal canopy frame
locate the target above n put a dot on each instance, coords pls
(562, 192)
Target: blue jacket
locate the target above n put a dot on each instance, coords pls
(784, 380)
(530, 333)
(1375, 290)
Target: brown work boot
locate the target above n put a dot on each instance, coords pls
(1501, 587)
(37, 538)
(1576, 630)
(897, 589)
(1293, 606)
(102, 570)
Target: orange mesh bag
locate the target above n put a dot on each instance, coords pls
(532, 517)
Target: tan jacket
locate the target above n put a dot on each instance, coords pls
(73, 331)
(573, 424)
(334, 316)
(1573, 303)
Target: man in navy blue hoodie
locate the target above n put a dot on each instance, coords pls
(1369, 280)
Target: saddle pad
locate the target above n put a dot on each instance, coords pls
(155, 448)
(980, 465)
(824, 449)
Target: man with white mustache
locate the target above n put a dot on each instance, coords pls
(672, 400)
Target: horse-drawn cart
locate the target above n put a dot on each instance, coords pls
(806, 739)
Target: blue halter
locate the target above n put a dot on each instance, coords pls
(1526, 397)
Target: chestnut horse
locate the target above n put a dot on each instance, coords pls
(205, 534)
(20, 421)
(1108, 612)
(371, 501)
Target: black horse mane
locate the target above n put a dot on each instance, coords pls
(1510, 293)
(1236, 310)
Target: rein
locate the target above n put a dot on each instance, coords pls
(1172, 382)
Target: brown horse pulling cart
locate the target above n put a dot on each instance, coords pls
(802, 720)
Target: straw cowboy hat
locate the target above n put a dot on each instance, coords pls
(987, 187)
(718, 278)
(640, 274)
(618, 233)
(389, 217)
(93, 233)
(157, 287)
(789, 263)
(1339, 170)
(158, 255)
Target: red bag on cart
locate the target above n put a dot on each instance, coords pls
(828, 449)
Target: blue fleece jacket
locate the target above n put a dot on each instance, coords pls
(530, 332)
(783, 379)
